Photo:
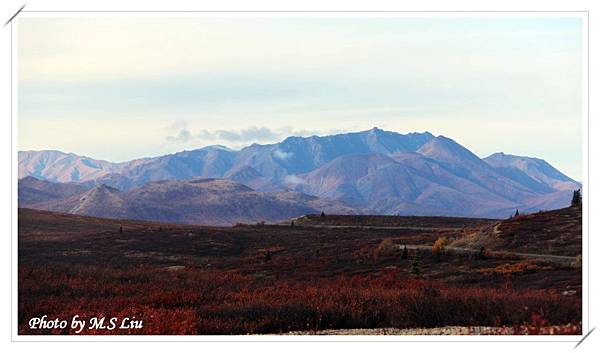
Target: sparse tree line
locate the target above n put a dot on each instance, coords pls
(575, 202)
(387, 248)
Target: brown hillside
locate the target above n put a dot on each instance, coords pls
(557, 232)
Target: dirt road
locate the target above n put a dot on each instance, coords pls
(457, 250)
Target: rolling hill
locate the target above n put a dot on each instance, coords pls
(556, 232)
(196, 201)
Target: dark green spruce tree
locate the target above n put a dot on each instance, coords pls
(415, 265)
(576, 200)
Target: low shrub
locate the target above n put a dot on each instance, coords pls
(517, 268)
(439, 247)
(385, 248)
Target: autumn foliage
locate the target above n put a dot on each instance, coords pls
(439, 246)
(517, 268)
(385, 248)
(194, 301)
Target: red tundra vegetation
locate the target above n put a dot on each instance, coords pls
(272, 279)
(191, 301)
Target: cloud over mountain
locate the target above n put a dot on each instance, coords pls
(248, 135)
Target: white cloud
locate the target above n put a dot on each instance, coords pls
(293, 180)
(241, 137)
(279, 154)
(184, 136)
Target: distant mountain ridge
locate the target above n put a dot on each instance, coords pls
(374, 171)
(538, 170)
(294, 155)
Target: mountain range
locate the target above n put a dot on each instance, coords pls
(374, 171)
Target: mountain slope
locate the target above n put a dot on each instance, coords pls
(463, 163)
(405, 183)
(62, 167)
(101, 201)
(32, 190)
(533, 172)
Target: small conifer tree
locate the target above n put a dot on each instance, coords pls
(576, 200)
(404, 255)
(481, 253)
(415, 265)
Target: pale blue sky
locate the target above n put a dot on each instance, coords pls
(119, 89)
